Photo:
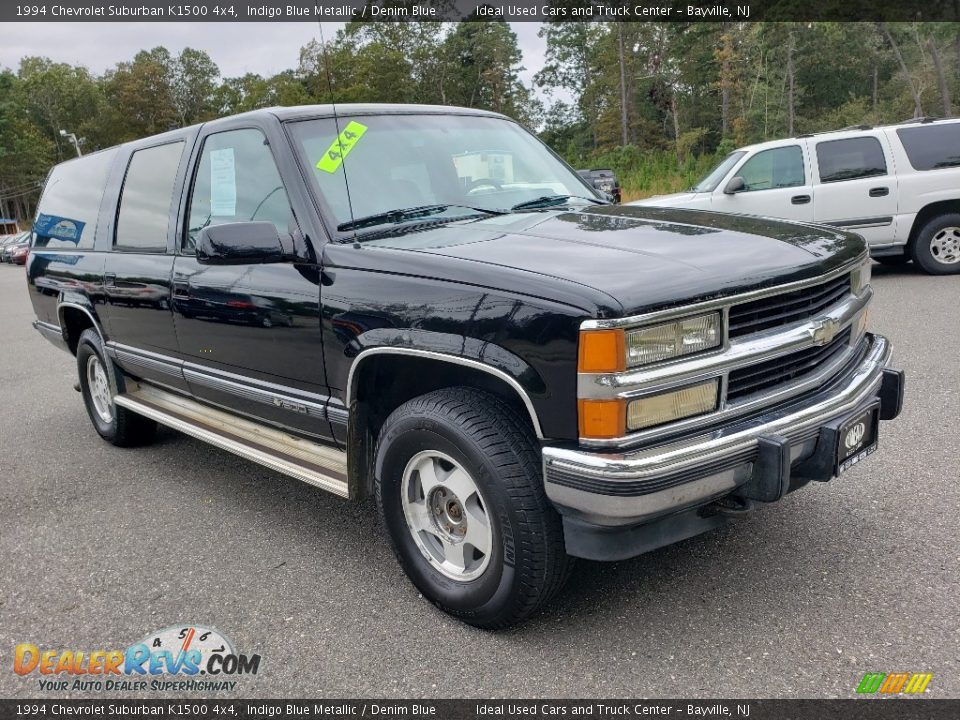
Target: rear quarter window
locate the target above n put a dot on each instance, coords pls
(932, 147)
(67, 215)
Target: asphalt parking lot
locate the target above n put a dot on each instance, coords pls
(100, 546)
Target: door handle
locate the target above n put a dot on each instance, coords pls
(879, 192)
(800, 199)
(110, 279)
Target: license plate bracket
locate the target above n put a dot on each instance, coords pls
(857, 437)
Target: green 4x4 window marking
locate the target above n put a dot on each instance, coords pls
(341, 147)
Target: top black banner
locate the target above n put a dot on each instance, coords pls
(480, 10)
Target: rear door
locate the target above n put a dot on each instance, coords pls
(249, 333)
(856, 186)
(777, 183)
(137, 271)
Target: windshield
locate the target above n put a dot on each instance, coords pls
(465, 164)
(712, 179)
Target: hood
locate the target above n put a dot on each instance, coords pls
(644, 258)
(678, 199)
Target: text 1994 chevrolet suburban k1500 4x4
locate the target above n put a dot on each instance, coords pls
(425, 305)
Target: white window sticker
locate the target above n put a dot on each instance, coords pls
(223, 183)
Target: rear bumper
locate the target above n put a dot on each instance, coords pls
(761, 458)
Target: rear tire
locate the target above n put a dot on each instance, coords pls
(460, 491)
(936, 248)
(100, 382)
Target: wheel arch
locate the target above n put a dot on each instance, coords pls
(371, 396)
(74, 319)
(927, 213)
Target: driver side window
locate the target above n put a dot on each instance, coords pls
(770, 169)
(236, 181)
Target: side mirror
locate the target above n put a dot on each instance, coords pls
(243, 243)
(735, 185)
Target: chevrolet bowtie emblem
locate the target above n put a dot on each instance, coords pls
(823, 331)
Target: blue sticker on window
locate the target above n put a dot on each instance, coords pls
(61, 228)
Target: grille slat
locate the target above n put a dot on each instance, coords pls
(748, 380)
(787, 308)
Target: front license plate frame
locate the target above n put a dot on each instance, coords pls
(857, 437)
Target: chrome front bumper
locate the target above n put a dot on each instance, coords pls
(630, 488)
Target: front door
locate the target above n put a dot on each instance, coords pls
(776, 184)
(249, 333)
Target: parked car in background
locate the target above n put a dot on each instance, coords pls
(603, 180)
(898, 186)
(11, 244)
(424, 306)
(20, 253)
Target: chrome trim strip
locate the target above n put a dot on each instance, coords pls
(443, 357)
(717, 303)
(147, 360)
(256, 391)
(240, 386)
(713, 448)
(85, 311)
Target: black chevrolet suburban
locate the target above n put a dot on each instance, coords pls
(426, 306)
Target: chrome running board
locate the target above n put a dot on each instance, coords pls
(313, 463)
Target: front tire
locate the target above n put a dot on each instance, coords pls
(936, 248)
(460, 492)
(100, 382)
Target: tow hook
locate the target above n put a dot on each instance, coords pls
(729, 506)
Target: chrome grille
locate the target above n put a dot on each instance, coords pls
(777, 310)
(763, 376)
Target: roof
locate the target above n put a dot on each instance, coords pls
(851, 131)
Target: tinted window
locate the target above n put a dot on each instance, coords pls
(776, 168)
(850, 159)
(67, 215)
(147, 196)
(932, 146)
(236, 181)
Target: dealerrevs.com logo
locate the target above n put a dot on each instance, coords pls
(178, 658)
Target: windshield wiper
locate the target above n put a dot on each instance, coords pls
(550, 200)
(401, 214)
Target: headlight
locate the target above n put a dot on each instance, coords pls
(666, 407)
(674, 339)
(860, 277)
(615, 350)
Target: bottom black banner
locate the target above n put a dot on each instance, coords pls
(892, 709)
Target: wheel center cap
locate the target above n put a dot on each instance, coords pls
(448, 513)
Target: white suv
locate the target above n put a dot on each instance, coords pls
(898, 186)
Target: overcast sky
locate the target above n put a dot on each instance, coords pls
(237, 48)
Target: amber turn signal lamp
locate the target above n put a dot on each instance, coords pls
(602, 419)
(601, 351)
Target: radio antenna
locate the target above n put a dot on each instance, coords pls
(336, 124)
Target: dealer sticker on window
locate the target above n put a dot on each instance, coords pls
(341, 147)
